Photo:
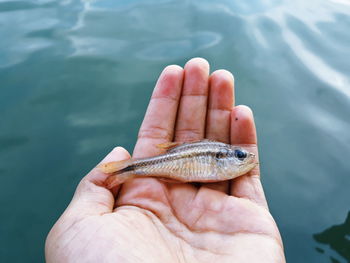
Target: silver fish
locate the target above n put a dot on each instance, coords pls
(202, 161)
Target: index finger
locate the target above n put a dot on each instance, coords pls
(158, 124)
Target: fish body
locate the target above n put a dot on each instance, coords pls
(203, 161)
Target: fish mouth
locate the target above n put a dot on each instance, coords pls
(251, 159)
(250, 167)
(249, 164)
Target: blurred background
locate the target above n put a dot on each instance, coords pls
(76, 77)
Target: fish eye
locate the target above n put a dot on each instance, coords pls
(240, 155)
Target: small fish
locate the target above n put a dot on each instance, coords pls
(202, 161)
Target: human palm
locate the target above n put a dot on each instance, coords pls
(148, 220)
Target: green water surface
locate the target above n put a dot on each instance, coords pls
(76, 77)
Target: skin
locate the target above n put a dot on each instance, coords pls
(149, 220)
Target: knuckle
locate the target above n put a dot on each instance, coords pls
(168, 98)
(154, 132)
(188, 134)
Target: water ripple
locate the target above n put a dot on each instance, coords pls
(169, 50)
(16, 46)
(316, 65)
(76, 76)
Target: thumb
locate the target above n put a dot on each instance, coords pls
(91, 197)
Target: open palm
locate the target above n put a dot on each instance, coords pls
(147, 220)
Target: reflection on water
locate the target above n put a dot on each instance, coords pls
(337, 238)
(76, 76)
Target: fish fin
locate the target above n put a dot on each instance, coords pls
(171, 145)
(168, 145)
(113, 167)
(167, 180)
(117, 179)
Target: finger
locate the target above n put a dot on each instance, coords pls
(158, 124)
(91, 197)
(221, 101)
(243, 131)
(190, 122)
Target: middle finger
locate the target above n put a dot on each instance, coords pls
(190, 124)
(221, 101)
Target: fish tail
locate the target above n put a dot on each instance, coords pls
(112, 167)
(119, 172)
(117, 179)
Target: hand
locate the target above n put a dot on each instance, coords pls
(154, 221)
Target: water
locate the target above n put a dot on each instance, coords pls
(76, 76)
